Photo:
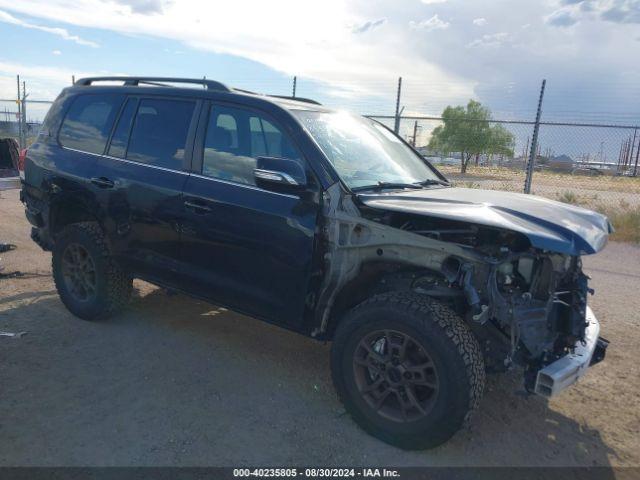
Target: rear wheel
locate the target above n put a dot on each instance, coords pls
(408, 369)
(90, 283)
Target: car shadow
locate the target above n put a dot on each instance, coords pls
(206, 366)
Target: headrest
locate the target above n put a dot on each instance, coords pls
(221, 139)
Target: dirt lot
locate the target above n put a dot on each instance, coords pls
(174, 381)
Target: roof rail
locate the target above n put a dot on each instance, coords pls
(208, 84)
(297, 99)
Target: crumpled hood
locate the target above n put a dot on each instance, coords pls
(549, 225)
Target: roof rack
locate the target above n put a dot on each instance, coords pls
(285, 97)
(157, 81)
(297, 99)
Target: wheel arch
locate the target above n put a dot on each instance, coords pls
(67, 209)
(381, 277)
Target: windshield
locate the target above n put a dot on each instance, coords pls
(363, 152)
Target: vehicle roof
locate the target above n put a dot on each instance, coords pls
(173, 86)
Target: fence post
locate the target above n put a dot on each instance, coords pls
(534, 142)
(633, 146)
(396, 126)
(635, 167)
(295, 81)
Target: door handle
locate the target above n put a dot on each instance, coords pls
(103, 182)
(197, 207)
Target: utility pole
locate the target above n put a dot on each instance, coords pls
(25, 133)
(534, 141)
(295, 81)
(415, 133)
(20, 140)
(396, 126)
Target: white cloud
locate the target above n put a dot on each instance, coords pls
(616, 11)
(43, 82)
(145, 7)
(433, 23)
(368, 25)
(564, 17)
(56, 52)
(491, 40)
(319, 48)
(431, 2)
(61, 32)
(480, 22)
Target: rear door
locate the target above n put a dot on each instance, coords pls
(245, 246)
(139, 183)
(66, 156)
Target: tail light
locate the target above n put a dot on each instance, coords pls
(21, 157)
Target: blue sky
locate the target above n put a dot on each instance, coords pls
(346, 53)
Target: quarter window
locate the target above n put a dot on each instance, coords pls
(235, 139)
(88, 122)
(159, 132)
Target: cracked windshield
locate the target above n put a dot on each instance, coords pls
(364, 153)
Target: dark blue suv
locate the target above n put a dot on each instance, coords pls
(322, 222)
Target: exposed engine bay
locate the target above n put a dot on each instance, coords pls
(527, 306)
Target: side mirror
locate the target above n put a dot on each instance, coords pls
(272, 171)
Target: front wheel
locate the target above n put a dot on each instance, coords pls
(408, 369)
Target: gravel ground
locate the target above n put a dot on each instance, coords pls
(175, 381)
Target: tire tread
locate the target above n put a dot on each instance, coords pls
(423, 310)
(119, 284)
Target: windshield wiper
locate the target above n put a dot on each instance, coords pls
(433, 181)
(387, 185)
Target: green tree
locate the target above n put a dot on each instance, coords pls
(469, 132)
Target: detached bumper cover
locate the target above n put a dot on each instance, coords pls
(564, 372)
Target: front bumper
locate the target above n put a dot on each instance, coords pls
(564, 372)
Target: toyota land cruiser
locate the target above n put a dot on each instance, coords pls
(325, 223)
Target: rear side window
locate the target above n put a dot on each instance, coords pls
(88, 122)
(235, 139)
(159, 132)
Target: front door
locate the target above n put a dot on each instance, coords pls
(245, 246)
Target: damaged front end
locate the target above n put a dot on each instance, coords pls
(537, 302)
(526, 305)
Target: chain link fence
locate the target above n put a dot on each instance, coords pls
(592, 164)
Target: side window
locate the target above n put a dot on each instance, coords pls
(235, 139)
(159, 132)
(88, 122)
(118, 146)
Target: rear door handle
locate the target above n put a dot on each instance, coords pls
(197, 207)
(103, 182)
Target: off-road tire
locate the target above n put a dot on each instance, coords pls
(113, 284)
(447, 340)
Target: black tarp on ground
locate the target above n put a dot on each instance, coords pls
(8, 157)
